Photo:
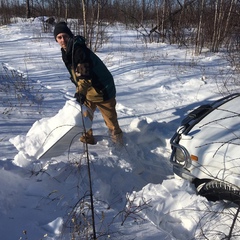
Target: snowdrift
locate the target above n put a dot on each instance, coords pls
(50, 137)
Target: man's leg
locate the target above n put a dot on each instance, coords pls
(88, 136)
(108, 111)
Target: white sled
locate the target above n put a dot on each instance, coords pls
(58, 141)
(51, 137)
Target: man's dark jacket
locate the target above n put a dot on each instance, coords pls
(88, 72)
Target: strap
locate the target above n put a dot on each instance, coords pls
(74, 78)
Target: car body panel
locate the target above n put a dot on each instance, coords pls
(214, 138)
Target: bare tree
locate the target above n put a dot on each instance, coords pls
(66, 9)
(84, 18)
(209, 23)
(199, 37)
(28, 13)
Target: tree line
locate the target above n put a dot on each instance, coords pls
(201, 23)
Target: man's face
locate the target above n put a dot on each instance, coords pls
(62, 39)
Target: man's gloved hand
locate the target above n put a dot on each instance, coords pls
(80, 98)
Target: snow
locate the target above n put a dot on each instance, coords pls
(136, 195)
(51, 137)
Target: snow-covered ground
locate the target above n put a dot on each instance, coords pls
(135, 193)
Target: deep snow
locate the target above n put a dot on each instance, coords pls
(157, 84)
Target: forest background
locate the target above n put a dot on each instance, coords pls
(201, 23)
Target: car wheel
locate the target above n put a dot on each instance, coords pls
(216, 190)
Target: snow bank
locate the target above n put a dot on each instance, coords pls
(49, 137)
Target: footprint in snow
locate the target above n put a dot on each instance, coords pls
(122, 109)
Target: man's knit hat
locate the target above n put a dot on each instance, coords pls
(62, 27)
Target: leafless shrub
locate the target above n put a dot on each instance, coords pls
(17, 91)
(209, 227)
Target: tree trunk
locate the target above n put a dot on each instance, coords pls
(84, 19)
(198, 44)
(66, 10)
(98, 33)
(28, 13)
(227, 25)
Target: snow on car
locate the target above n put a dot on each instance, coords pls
(205, 149)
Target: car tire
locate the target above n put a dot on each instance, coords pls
(216, 190)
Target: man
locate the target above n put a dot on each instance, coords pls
(95, 86)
